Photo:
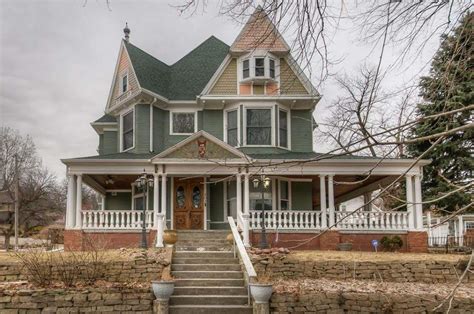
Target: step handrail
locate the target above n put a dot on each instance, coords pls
(242, 251)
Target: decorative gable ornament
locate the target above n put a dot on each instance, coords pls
(201, 148)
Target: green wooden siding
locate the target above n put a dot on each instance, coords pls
(158, 130)
(301, 196)
(142, 128)
(216, 191)
(110, 142)
(301, 131)
(120, 201)
(100, 149)
(212, 123)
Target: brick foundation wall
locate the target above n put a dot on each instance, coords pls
(78, 240)
(413, 242)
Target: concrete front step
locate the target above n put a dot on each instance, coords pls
(208, 300)
(202, 248)
(206, 254)
(204, 260)
(210, 309)
(208, 282)
(206, 267)
(208, 274)
(210, 290)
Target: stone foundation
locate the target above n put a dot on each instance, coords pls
(413, 241)
(79, 240)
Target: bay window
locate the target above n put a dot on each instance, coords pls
(259, 126)
(183, 123)
(127, 130)
(232, 130)
(259, 66)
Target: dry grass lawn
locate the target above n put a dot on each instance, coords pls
(372, 256)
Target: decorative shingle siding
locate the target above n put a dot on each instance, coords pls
(227, 82)
(124, 64)
(142, 128)
(110, 142)
(212, 123)
(290, 84)
(301, 131)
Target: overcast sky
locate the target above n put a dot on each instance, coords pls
(57, 60)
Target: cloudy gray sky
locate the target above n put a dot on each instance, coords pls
(57, 60)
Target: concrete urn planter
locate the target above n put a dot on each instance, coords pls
(261, 292)
(162, 289)
(170, 237)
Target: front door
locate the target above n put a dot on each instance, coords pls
(188, 203)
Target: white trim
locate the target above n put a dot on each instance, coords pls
(225, 121)
(121, 129)
(224, 192)
(171, 205)
(185, 111)
(288, 127)
(272, 113)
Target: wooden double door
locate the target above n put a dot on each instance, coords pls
(189, 203)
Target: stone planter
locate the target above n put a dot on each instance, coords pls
(230, 238)
(170, 237)
(162, 289)
(344, 246)
(261, 292)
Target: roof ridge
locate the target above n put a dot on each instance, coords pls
(198, 46)
(134, 46)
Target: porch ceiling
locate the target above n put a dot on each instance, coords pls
(111, 181)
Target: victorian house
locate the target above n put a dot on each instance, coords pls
(227, 131)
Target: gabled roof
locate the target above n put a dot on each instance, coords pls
(186, 78)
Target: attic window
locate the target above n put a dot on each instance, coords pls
(124, 83)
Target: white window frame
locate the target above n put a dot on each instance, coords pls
(122, 75)
(272, 112)
(288, 127)
(121, 129)
(183, 111)
(251, 57)
(226, 111)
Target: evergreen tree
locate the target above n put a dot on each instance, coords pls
(448, 86)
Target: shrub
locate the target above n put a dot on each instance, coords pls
(391, 244)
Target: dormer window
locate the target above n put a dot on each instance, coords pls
(259, 66)
(124, 83)
(246, 68)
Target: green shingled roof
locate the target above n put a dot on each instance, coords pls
(118, 156)
(106, 118)
(186, 78)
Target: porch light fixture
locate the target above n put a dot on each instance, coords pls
(144, 182)
(265, 183)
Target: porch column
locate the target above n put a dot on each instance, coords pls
(410, 207)
(418, 203)
(79, 201)
(71, 202)
(428, 225)
(461, 230)
(246, 214)
(156, 189)
(102, 202)
(332, 213)
(367, 203)
(239, 195)
(163, 194)
(322, 201)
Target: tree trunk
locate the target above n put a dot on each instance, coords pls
(7, 241)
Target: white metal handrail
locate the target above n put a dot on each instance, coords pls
(286, 219)
(363, 220)
(241, 250)
(116, 219)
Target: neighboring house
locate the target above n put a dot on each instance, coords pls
(456, 231)
(204, 128)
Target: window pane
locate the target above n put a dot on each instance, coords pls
(127, 140)
(283, 138)
(127, 122)
(272, 68)
(283, 125)
(284, 189)
(183, 122)
(196, 197)
(127, 131)
(259, 127)
(259, 66)
(245, 66)
(284, 204)
(232, 137)
(124, 83)
(259, 117)
(259, 136)
(232, 134)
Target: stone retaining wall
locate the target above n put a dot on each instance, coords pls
(283, 266)
(92, 300)
(335, 302)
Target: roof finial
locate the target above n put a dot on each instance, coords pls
(126, 31)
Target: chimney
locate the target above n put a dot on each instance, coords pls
(126, 31)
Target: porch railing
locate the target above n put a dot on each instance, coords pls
(386, 220)
(116, 219)
(286, 219)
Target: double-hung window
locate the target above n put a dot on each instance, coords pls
(284, 194)
(232, 128)
(246, 68)
(124, 83)
(283, 128)
(259, 126)
(127, 130)
(259, 66)
(272, 68)
(183, 122)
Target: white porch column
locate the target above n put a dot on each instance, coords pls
(410, 207)
(163, 194)
(239, 194)
(156, 189)
(428, 226)
(322, 201)
(418, 203)
(79, 201)
(102, 202)
(246, 215)
(461, 230)
(332, 212)
(71, 203)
